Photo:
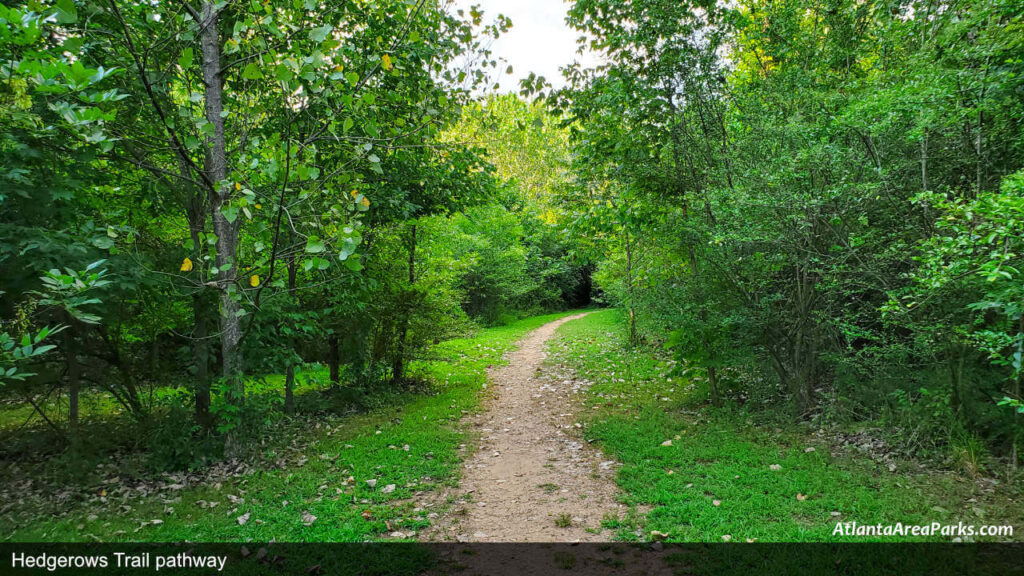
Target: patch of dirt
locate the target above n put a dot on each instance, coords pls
(533, 478)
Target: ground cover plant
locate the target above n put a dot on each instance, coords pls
(259, 258)
(712, 474)
(335, 478)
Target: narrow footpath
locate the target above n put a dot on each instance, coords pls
(533, 478)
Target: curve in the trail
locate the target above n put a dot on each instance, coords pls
(533, 478)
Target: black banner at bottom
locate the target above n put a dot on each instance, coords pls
(380, 559)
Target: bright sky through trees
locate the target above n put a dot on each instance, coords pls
(539, 41)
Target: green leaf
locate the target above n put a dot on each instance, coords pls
(186, 58)
(252, 72)
(66, 12)
(230, 212)
(314, 245)
(320, 34)
(283, 73)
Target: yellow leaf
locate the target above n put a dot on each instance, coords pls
(365, 202)
(385, 60)
(355, 193)
(238, 186)
(258, 206)
(254, 280)
(186, 265)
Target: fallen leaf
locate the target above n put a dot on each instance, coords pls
(244, 518)
(388, 489)
(308, 518)
(666, 443)
(801, 497)
(716, 502)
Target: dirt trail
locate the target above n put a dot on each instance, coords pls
(532, 472)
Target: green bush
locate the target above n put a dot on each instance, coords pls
(176, 443)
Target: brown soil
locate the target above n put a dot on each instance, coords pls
(533, 478)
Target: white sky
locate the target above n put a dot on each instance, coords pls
(539, 41)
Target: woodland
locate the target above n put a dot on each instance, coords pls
(237, 236)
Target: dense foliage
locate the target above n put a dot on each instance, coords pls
(199, 195)
(208, 207)
(816, 204)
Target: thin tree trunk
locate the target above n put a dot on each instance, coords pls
(1014, 456)
(633, 338)
(195, 213)
(74, 374)
(716, 398)
(202, 353)
(979, 170)
(924, 161)
(332, 360)
(289, 374)
(398, 366)
(216, 167)
(225, 231)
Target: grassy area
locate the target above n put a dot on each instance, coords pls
(15, 413)
(708, 474)
(410, 443)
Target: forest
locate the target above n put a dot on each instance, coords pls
(282, 246)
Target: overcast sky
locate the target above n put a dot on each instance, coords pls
(540, 41)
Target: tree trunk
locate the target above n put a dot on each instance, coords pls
(289, 389)
(716, 398)
(332, 360)
(202, 354)
(979, 170)
(924, 161)
(220, 195)
(398, 366)
(633, 338)
(289, 374)
(1014, 449)
(74, 374)
(195, 213)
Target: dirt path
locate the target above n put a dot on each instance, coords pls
(532, 472)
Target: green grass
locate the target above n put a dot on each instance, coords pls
(101, 405)
(725, 456)
(366, 446)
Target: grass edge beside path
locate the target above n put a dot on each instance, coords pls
(320, 489)
(732, 474)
